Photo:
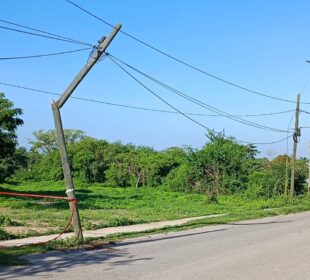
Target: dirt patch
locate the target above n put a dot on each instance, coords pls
(46, 202)
(25, 230)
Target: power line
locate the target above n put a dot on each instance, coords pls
(186, 116)
(265, 114)
(58, 38)
(196, 101)
(160, 98)
(45, 32)
(30, 89)
(93, 15)
(127, 106)
(275, 142)
(303, 111)
(135, 107)
(43, 55)
(182, 61)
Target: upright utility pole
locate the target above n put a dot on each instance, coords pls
(56, 106)
(295, 141)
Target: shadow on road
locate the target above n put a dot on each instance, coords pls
(59, 261)
(130, 242)
(259, 223)
(44, 265)
(111, 255)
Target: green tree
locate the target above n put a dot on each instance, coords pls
(89, 159)
(43, 160)
(137, 167)
(9, 122)
(171, 158)
(226, 163)
(272, 178)
(222, 166)
(301, 175)
(46, 141)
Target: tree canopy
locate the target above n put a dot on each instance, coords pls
(46, 141)
(9, 122)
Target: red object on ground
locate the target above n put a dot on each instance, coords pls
(36, 195)
(48, 196)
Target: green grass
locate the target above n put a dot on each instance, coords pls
(103, 206)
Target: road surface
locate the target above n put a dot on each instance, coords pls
(270, 248)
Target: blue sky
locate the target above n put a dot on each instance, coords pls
(261, 45)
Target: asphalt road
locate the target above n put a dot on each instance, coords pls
(270, 248)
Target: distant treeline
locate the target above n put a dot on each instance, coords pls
(222, 166)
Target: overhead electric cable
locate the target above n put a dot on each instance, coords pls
(196, 101)
(274, 142)
(44, 36)
(155, 95)
(43, 55)
(265, 114)
(303, 111)
(47, 33)
(182, 61)
(186, 116)
(135, 107)
(126, 106)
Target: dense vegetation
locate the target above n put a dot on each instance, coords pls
(11, 158)
(221, 167)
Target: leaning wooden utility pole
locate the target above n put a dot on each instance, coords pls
(56, 106)
(295, 141)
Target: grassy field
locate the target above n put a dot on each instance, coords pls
(102, 207)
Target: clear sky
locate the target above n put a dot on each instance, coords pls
(261, 45)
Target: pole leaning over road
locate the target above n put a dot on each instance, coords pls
(295, 141)
(56, 106)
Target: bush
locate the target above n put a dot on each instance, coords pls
(261, 184)
(179, 179)
(6, 221)
(4, 235)
(274, 178)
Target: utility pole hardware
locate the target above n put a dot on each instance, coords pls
(56, 106)
(295, 141)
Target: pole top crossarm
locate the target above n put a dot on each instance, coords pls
(103, 44)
